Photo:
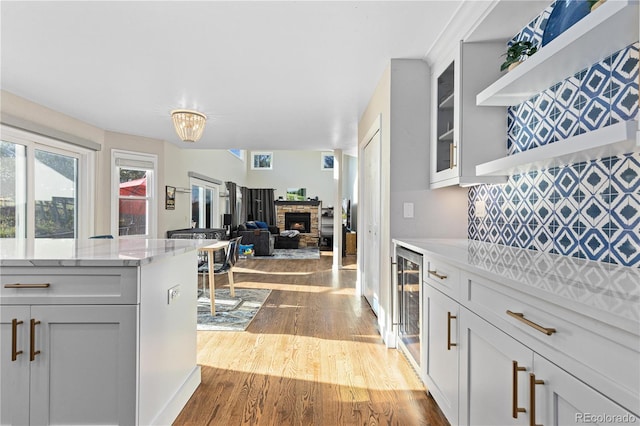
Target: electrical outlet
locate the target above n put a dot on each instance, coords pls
(174, 293)
(481, 209)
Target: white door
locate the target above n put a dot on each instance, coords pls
(14, 365)
(371, 198)
(85, 371)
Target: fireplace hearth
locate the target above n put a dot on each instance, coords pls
(300, 222)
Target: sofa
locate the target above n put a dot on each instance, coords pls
(261, 235)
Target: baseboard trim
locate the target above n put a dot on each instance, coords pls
(175, 405)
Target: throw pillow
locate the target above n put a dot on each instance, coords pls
(262, 225)
(251, 225)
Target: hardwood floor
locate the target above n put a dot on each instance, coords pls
(311, 356)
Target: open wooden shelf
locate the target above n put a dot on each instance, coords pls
(611, 27)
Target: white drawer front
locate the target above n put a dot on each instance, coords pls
(600, 355)
(66, 285)
(442, 276)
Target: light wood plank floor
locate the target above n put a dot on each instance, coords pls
(311, 356)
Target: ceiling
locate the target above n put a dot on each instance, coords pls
(269, 75)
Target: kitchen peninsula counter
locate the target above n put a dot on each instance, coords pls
(97, 331)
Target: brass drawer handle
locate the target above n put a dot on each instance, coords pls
(532, 398)
(449, 318)
(520, 317)
(515, 408)
(436, 274)
(33, 351)
(18, 285)
(14, 339)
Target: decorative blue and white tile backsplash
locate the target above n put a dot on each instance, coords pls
(588, 210)
(605, 93)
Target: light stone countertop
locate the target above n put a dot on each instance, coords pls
(92, 252)
(607, 292)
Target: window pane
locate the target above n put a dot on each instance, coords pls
(56, 182)
(133, 217)
(12, 178)
(133, 212)
(133, 182)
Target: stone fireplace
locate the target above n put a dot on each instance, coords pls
(303, 216)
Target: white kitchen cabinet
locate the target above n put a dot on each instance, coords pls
(561, 399)
(440, 360)
(494, 370)
(73, 364)
(515, 318)
(97, 331)
(463, 134)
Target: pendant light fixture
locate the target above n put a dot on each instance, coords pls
(189, 124)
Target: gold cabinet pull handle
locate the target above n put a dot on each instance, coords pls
(14, 339)
(436, 274)
(532, 398)
(520, 317)
(33, 340)
(515, 407)
(453, 156)
(449, 318)
(18, 285)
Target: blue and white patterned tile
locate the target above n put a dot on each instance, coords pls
(567, 181)
(565, 241)
(624, 76)
(625, 174)
(595, 244)
(567, 211)
(596, 114)
(625, 248)
(625, 212)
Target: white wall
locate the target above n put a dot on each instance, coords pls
(213, 163)
(294, 169)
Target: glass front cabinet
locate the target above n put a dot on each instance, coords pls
(463, 134)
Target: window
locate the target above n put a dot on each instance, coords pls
(205, 210)
(44, 187)
(239, 153)
(262, 160)
(134, 194)
(326, 161)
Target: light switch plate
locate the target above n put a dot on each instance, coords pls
(408, 210)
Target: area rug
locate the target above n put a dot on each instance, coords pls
(232, 313)
(301, 253)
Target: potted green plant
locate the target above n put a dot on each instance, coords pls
(515, 52)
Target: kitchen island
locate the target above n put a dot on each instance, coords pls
(97, 331)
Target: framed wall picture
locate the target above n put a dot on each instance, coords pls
(262, 160)
(326, 161)
(170, 198)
